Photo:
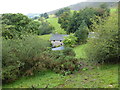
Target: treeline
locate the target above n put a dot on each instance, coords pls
(80, 22)
(102, 46)
(13, 25)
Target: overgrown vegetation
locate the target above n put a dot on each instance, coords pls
(61, 11)
(26, 55)
(19, 56)
(104, 47)
(14, 25)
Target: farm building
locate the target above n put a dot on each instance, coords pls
(56, 39)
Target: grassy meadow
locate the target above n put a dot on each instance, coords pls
(45, 37)
(54, 22)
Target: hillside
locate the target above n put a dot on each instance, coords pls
(82, 5)
(79, 6)
(54, 22)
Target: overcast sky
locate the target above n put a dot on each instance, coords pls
(34, 6)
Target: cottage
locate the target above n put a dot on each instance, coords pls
(56, 39)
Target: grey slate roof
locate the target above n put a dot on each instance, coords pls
(58, 37)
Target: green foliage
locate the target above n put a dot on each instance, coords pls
(61, 11)
(45, 15)
(105, 76)
(33, 27)
(104, 48)
(64, 20)
(71, 23)
(60, 62)
(19, 56)
(70, 40)
(86, 14)
(54, 22)
(80, 51)
(14, 25)
(45, 37)
(104, 6)
(103, 11)
(25, 56)
(82, 33)
(68, 51)
(45, 28)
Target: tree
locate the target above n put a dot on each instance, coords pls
(86, 14)
(70, 40)
(103, 11)
(14, 24)
(104, 48)
(61, 11)
(46, 15)
(64, 20)
(104, 6)
(82, 33)
(45, 28)
(72, 26)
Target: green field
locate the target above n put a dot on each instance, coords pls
(79, 50)
(45, 37)
(54, 22)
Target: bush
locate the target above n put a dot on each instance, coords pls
(70, 41)
(24, 57)
(19, 56)
(59, 62)
(68, 51)
(104, 48)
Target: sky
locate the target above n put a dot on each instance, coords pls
(34, 6)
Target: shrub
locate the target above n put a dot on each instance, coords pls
(104, 48)
(59, 62)
(68, 51)
(20, 56)
(24, 57)
(70, 41)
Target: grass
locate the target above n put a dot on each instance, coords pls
(105, 76)
(54, 22)
(80, 51)
(40, 80)
(113, 10)
(100, 76)
(45, 37)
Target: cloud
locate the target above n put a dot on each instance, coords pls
(34, 6)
